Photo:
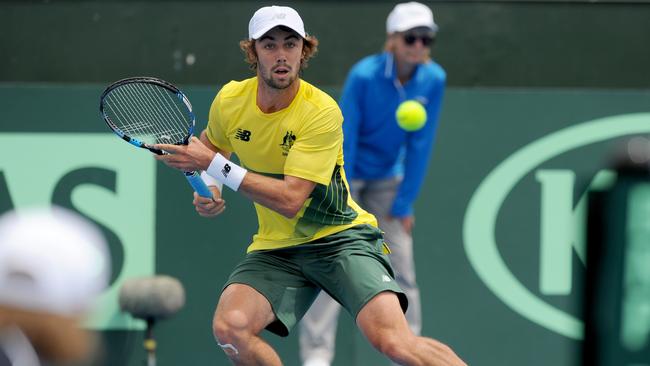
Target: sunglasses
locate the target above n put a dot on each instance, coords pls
(411, 38)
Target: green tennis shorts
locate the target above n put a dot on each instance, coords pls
(350, 266)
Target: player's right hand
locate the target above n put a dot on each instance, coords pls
(208, 207)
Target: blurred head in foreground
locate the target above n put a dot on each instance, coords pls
(53, 265)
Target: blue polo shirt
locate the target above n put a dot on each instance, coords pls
(374, 146)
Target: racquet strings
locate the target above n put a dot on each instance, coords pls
(150, 113)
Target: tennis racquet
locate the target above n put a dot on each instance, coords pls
(145, 111)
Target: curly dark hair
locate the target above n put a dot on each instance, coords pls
(309, 49)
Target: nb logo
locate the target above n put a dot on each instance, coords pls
(385, 278)
(244, 135)
(225, 170)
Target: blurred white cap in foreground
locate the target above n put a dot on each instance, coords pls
(52, 260)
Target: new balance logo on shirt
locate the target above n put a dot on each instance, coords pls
(244, 135)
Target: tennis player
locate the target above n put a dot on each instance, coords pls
(312, 236)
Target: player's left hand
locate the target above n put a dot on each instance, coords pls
(194, 156)
(209, 207)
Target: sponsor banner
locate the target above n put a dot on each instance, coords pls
(111, 186)
(500, 238)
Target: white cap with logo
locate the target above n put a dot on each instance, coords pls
(52, 260)
(410, 15)
(269, 17)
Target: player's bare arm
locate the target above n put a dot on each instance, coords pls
(285, 196)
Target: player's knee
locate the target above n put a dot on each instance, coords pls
(230, 327)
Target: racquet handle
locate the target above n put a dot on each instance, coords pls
(198, 184)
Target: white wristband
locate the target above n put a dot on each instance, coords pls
(210, 181)
(226, 171)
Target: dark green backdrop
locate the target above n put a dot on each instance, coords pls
(481, 43)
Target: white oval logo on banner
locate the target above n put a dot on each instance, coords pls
(483, 209)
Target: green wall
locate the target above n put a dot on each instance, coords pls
(481, 43)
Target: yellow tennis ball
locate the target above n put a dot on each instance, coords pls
(411, 115)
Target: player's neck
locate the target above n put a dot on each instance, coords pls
(271, 99)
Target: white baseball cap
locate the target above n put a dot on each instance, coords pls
(269, 17)
(52, 260)
(410, 15)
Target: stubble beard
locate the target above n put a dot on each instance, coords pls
(268, 79)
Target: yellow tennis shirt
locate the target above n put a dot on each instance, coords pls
(304, 140)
